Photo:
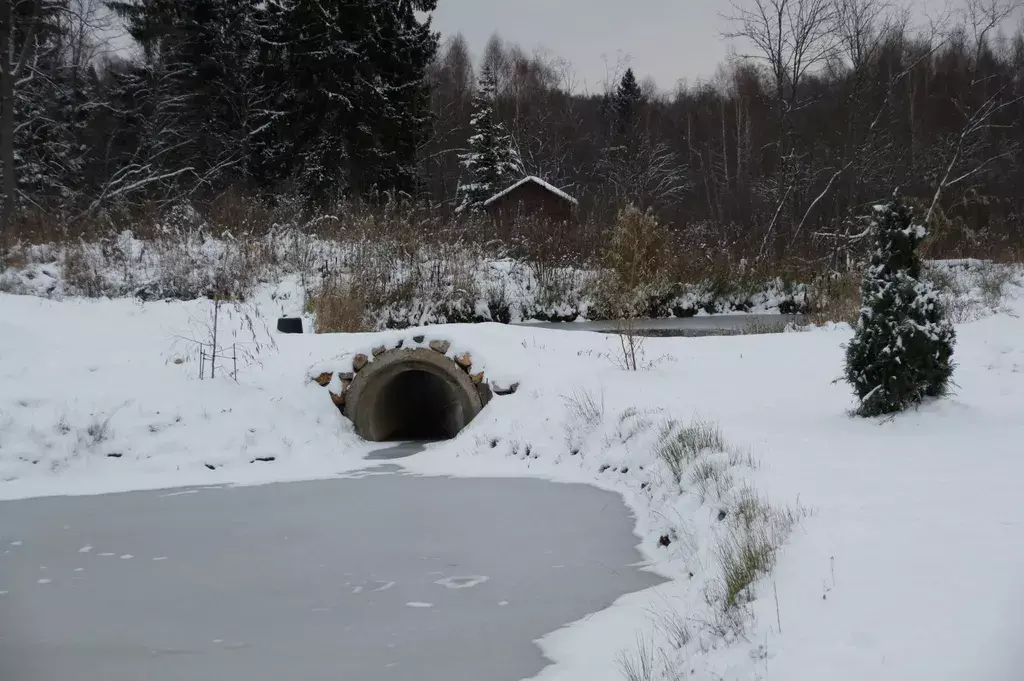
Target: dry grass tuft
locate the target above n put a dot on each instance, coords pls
(638, 665)
(681, 447)
(835, 298)
(338, 308)
(584, 407)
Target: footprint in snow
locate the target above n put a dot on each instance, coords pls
(106, 555)
(43, 581)
(417, 604)
(16, 543)
(85, 549)
(127, 556)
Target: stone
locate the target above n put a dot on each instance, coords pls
(440, 346)
(346, 377)
(324, 378)
(359, 361)
(477, 378)
(464, 360)
(418, 339)
(339, 400)
(506, 391)
(379, 350)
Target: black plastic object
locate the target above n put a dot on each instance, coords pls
(289, 325)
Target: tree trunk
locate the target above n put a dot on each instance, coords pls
(9, 187)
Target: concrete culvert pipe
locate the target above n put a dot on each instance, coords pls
(412, 394)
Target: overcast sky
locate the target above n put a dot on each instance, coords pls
(667, 40)
(664, 39)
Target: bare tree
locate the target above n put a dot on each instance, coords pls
(969, 154)
(792, 37)
(16, 17)
(645, 171)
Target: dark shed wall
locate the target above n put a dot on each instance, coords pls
(531, 199)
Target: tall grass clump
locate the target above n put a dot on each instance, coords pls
(756, 532)
(681, 446)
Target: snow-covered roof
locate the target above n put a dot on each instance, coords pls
(531, 178)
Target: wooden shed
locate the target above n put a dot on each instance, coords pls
(531, 196)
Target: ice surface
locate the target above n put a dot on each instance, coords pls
(260, 571)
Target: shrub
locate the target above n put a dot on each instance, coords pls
(901, 351)
(635, 281)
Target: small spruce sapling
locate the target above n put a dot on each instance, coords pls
(902, 349)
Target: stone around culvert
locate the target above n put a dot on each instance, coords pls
(506, 391)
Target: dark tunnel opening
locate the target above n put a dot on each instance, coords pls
(417, 405)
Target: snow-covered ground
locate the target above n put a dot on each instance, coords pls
(907, 535)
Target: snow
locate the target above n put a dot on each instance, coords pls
(93, 401)
(904, 563)
(536, 180)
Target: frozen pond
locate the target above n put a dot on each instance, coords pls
(380, 576)
(704, 325)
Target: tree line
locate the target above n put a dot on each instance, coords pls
(836, 103)
(264, 97)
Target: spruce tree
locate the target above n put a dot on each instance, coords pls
(393, 116)
(902, 349)
(202, 86)
(492, 160)
(352, 97)
(626, 101)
